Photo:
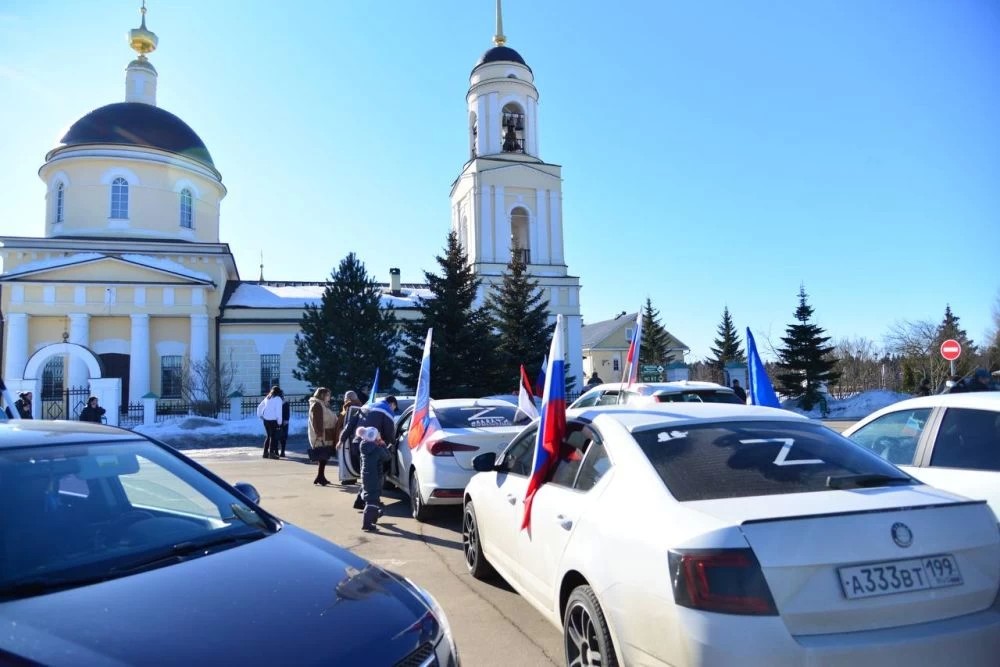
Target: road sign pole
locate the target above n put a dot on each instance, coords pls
(952, 364)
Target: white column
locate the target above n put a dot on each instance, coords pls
(555, 215)
(17, 345)
(496, 133)
(485, 225)
(539, 231)
(502, 225)
(484, 126)
(475, 235)
(79, 333)
(138, 366)
(199, 342)
(532, 127)
(574, 350)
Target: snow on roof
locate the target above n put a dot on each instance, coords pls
(299, 295)
(157, 263)
(53, 263)
(166, 265)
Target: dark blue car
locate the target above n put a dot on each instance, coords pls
(116, 549)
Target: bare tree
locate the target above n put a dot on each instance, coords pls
(916, 343)
(860, 365)
(206, 385)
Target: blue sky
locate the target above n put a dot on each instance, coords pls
(713, 153)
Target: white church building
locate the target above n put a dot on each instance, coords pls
(131, 285)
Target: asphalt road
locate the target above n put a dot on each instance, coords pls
(491, 623)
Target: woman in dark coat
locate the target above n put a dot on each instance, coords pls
(93, 412)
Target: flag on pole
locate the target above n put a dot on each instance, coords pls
(374, 391)
(552, 427)
(422, 424)
(540, 381)
(9, 409)
(631, 375)
(525, 401)
(760, 391)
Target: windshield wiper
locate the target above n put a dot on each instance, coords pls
(29, 587)
(864, 480)
(182, 550)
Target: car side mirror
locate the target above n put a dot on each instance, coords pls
(485, 462)
(249, 491)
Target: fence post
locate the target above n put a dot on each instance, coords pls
(236, 406)
(149, 409)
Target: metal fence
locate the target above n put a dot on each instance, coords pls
(131, 415)
(299, 406)
(66, 405)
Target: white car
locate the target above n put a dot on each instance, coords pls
(951, 441)
(682, 391)
(436, 472)
(711, 534)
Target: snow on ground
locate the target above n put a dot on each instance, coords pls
(221, 437)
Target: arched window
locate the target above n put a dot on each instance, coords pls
(60, 201)
(119, 198)
(519, 237)
(512, 128)
(187, 213)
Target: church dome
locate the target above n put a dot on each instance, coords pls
(138, 124)
(502, 54)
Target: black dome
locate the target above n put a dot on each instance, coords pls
(502, 54)
(138, 124)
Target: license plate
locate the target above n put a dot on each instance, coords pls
(899, 576)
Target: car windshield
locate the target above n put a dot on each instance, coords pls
(699, 396)
(757, 458)
(475, 416)
(90, 512)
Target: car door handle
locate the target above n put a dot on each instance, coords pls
(564, 523)
(511, 498)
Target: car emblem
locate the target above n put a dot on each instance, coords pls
(902, 535)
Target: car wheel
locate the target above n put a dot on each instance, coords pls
(472, 546)
(586, 637)
(419, 510)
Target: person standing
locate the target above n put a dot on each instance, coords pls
(980, 381)
(23, 405)
(269, 410)
(381, 417)
(925, 388)
(322, 432)
(93, 412)
(594, 380)
(739, 391)
(350, 415)
(286, 416)
(374, 454)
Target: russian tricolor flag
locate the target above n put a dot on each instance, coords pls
(525, 401)
(632, 360)
(422, 424)
(552, 427)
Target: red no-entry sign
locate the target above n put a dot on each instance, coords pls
(951, 349)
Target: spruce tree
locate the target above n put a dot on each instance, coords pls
(349, 334)
(949, 328)
(805, 364)
(463, 348)
(655, 339)
(727, 346)
(519, 315)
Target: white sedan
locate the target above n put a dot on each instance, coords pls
(951, 441)
(436, 471)
(713, 534)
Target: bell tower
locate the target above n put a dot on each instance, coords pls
(507, 198)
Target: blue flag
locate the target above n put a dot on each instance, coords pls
(371, 396)
(760, 391)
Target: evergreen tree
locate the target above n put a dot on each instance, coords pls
(349, 334)
(949, 328)
(464, 361)
(806, 364)
(519, 315)
(655, 339)
(727, 346)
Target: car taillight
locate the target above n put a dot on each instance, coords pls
(445, 448)
(728, 581)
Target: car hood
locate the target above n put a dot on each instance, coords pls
(290, 597)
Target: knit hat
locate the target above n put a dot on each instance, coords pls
(367, 433)
(350, 396)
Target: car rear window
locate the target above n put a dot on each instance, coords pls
(476, 416)
(700, 396)
(736, 459)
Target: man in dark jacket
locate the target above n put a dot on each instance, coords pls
(286, 414)
(93, 412)
(23, 405)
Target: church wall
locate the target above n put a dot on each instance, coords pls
(154, 198)
(45, 331)
(243, 345)
(167, 336)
